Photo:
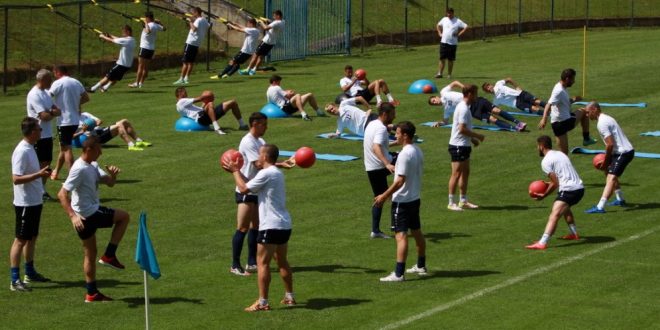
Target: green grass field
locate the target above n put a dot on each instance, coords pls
(482, 277)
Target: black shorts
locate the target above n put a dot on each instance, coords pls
(205, 120)
(570, 197)
(117, 72)
(459, 153)
(246, 198)
(405, 216)
(448, 51)
(562, 127)
(378, 180)
(146, 53)
(481, 109)
(189, 53)
(241, 58)
(102, 218)
(27, 221)
(263, 49)
(525, 101)
(289, 108)
(103, 133)
(65, 134)
(44, 149)
(619, 163)
(366, 94)
(274, 236)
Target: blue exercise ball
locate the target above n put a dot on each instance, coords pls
(273, 111)
(78, 140)
(420, 87)
(185, 124)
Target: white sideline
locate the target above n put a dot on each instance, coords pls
(514, 280)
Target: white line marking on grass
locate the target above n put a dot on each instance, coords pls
(515, 280)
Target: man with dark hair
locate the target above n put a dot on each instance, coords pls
(248, 49)
(449, 29)
(353, 87)
(460, 149)
(562, 175)
(406, 193)
(449, 99)
(87, 215)
(561, 117)
(289, 101)
(124, 62)
(274, 223)
(28, 190)
(274, 31)
(208, 114)
(378, 161)
(199, 26)
(619, 152)
(147, 47)
(514, 97)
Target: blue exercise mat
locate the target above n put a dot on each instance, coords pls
(339, 158)
(355, 137)
(620, 105)
(656, 133)
(579, 150)
(488, 128)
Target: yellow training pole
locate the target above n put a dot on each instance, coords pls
(584, 63)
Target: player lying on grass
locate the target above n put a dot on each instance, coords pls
(514, 97)
(350, 117)
(207, 114)
(353, 86)
(123, 128)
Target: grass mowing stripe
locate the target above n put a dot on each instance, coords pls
(516, 280)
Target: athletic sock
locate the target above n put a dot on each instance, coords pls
(252, 246)
(544, 239)
(215, 125)
(15, 273)
(451, 199)
(601, 203)
(585, 136)
(619, 194)
(95, 87)
(241, 122)
(400, 268)
(508, 116)
(463, 198)
(138, 140)
(107, 86)
(110, 250)
(130, 144)
(572, 228)
(185, 78)
(378, 99)
(503, 124)
(375, 219)
(29, 268)
(237, 248)
(389, 97)
(91, 288)
(289, 296)
(421, 261)
(263, 302)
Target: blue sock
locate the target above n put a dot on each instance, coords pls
(508, 116)
(503, 124)
(29, 268)
(252, 246)
(421, 262)
(91, 287)
(400, 268)
(237, 248)
(375, 219)
(15, 274)
(110, 250)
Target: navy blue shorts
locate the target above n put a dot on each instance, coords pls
(405, 216)
(146, 53)
(562, 127)
(246, 198)
(570, 197)
(289, 108)
(378, 180)
(448, 51)
(103, 133)
(27, 221)
(481, 109)
(366, 94)
(525, 101)
(44, 149)
(117, 72)
(241, 58)
(274, 236)
(205, 120)
(189, 53)
(619, 163)
(102, 218)
(459, 153)
(263, 49)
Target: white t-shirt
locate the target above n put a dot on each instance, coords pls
(83, 183)
(186, 108)
(558, 163)
(607, 126)
(66, 93)
(505, 94)
(276, 95)
(376, 133)
(148, 40)
(38, 101)
(272, 35)
(356, 88)
(410, 164)
(561, 104)
(195, 37)
(450, 29)
(24, 161)
(351, 117)
(249, 149)
(126, 52)
(250, 42)
(462, 115)
(269, 186)
(450, 100)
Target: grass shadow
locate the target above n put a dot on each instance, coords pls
(640, 206)
(325, 303)
(127, 181)
(509, 207)
(134, 302)
(336, 269)
(437, 237)
(105, 283)
(589, 240)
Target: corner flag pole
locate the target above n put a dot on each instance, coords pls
(146, 302)
(584, 62)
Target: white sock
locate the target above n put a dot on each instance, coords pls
(95, 87)
(185, 78)
(389, 97)
(130, 144)
(378, 99)
(138, 140)
(572, 228)
(289, 295)
(451, 199)
(463, 198)
(215, 125)
(263, 302)
(107, 86)
(241, 122)
(544, 239)
(601, 203)
(619, 194)
(303, 113)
